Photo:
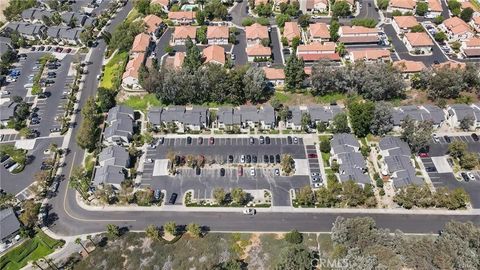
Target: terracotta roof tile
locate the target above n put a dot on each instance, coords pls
(406, 4)
(274, 73)
(405, 22)
(258, 50)
(152, 22)
(419, 39)
(160, 2)
(182, 32)
(133, 66)
(316, 46)
(434, 5)
(370, 54)
(291, 30)
(140, 43)
(215, 54)
(456, 25)
(181, 15)
(217, 32)
(256, 31)
(319, 30)
(473, 42)
(357, 30)
(408, 66)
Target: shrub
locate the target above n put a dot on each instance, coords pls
(294, 237)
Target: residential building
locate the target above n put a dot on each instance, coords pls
(27, 30)
(130, 78)
(5, 45)
(181, 17)
(275, 76)
(318, 114)
(471, 47)
(457, 112)
(418, 113)
(397, 164)
(109, 175)
(35, 15)
(319, 32)
(456, 29)
(260, 2)
(291, 30)
(120, 126)
(358, 35)
(313, 6)
(141, 43)
(7, 111)
(165, 4)
(317, 51)
(370, 55)
(10, 225)
(114, 155)
(346, 152)
(184, 118)
(475, 23)
(217, 35)
(418, 43)
(255, 34)
(253, 117)
(408, 67)
(178, 60)
(64, 34)
(182, 33)
(434, 8)
(404, 24)
(402, 6)
(450, 64)
(258, 52)
(227, 119)
(214, 54)
(154, 25)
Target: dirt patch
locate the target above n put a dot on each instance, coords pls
(254, 242)
(279, 236)
(3, 6)
(168, 237)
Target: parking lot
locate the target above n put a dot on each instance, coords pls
(15, 183)
(217, 154)
(439, 149)
(49, 110)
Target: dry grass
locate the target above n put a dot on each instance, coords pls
(3, 5)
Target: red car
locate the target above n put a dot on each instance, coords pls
(240, 171)
(423, 154)
(68, 50)
(312, 156)
(212, 140)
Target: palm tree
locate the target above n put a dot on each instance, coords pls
(78, 241)
(89, 237)
(113, 230)
(152, 232)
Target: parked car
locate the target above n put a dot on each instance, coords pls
(289, 140)
(254, 159)
(475, 137)
(265, 158)
(248, 159)
(471, 176)
(222, 172)
(465, 177)
(447, 138)
(277, 158)
(230, 158)
(161, 140)
(212, 140)
(267, 140)
(252, 171)
(249, 211)
(200, 140)
(242, 158)
(312, 156)
(189, 140)
(252, 140)
(262, 140)
(272, 159)
(295, 140)
(4, 158)
(173, 198)
(435, 138)
(156, 194)
(277, 172)
(430, 169)
(198, 170)
(9, 163)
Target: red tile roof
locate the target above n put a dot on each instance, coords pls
(419, 39)
(274, 73)
(152, 22)
(319, 30)
(140, 43)
(258, 50)
(215, 54)
(133, 66)
(182, 32)
(256, 31)
(407, 66)
(217, 32)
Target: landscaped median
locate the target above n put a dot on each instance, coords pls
(32, 249)
(237, 197)
(113, 71)
(37, 87)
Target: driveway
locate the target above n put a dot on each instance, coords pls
(241, 57)
(402, 50)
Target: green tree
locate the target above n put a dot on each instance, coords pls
(417, 29)
(366, 22)
(255, 85)
(467, 14)
(113, 231)
(142, 6)
(325, 146)
(469, 160)
(340, 123)
(341, 9)
(215, 9)
(382, 4)
(89, 131)
(467, 122)
(361, 117)
(454, 7)
(305, 196)
(219, 195)
(281, 19)
(306, 121)
(202, 34)
(171, 228)
(194, 230)
(382, 121)
(421, 9)
(294, 257)
(294, 237)
(304, 20)
(287, 163)
(416, 134)
(239, 196)
(334, 27)
(78, 241)
(15, 8)
(193, 57)
(106, 99)
(152, 232)
(294, 73)
(200, 17)
(29, 216)
(440, 36)
(438, 20)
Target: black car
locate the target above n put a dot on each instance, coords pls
(189, 140)
(222, 172)
(465, 177)
(430, 169)
(254, 159)
(447, 139)
(272, 159)
(436, 62)
(230, 158)
(198, 170)
(200, 140)
(4, 158)
(475, 137)
(267, 140)
(265, 158)
(289, 140)
(248, 159)
(173, 198)
(277, 158)
(42, 96)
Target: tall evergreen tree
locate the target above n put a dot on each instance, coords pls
(193, 58)
(294, 73)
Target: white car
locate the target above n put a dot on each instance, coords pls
(242, 158)
(148, 160)
(277, 172)
(471, 176)
(252, 172)
(435, 138)
(249, 211)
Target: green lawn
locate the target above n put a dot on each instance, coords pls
(32, 249)
(142, 103)
(114, 70)
(331, 98)
(132, 15)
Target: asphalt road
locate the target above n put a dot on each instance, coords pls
(402, 50)
(241, 57)
(239, 12)
(73, 220)
(368, 10)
